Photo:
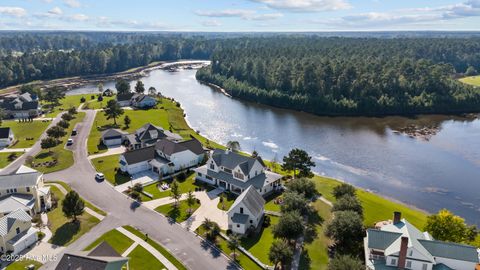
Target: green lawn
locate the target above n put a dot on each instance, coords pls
(65, 104)
(270, 204)
(110, 167)
(260, 244)
(22, 265)
(24, 130)
(227, 200)
(473, 80)
(178, 214)
(158, 247)
(184, 186)
(141, 259)
(7, 158)
(95, 104)
(65, 156)
(114, 238)
(244, 261)
(64, 231)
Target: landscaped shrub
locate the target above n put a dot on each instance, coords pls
(82, 100)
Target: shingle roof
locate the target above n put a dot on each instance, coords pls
(441, 266)
(112, 133)
(378, 239)
(20, 179)
(252, 200)
(139, 155)
(4, 132)
(97, 259)
(231, 160)
(17, 201)
(149, 131)
(104, 249)
(240, 218)
(169, 147)
(7, 221)
(450, 250)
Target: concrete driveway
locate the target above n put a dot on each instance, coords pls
(208, 209)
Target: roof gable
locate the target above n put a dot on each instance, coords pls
(450, 250)
(381, 240)
(251, 199)
(139, 155)
(24, 177)
(231, 160)
(9, 220)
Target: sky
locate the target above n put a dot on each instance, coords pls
(239, 15)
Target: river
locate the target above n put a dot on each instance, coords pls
(443, 172)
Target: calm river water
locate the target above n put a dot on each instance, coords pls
(443, 172)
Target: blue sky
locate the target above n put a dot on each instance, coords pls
(240, 15)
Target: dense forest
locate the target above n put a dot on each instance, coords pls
(349, 75)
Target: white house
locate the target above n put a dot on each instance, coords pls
(235, 172)
(149, 135)
(124, 100)
(6, 137)
(25, 105)
(112, 137)
(399, 245)
(143, 101)
(246, 212)
(16, 232)
(24, 190)
(165, 157)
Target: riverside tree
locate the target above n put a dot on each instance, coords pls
(303, 186)
(446, 226)
(299, 161)
(289, 227)
(72, 205)
(348, 203)
(139, 87)
(343, 262)
(122, 86)
(343, 190)
(113, 111)
(346, 230)
(280, 253)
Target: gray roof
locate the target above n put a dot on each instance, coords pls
(378, 239)
(450, 250)
(17, 201)
(231, 160)
(4, 132)
(112, 133)
(252, 200)
(169, 147)
(240, 218)
(97, 259)
(22, 235)
(17, 180)
(139, 155)
(259, 181)
(149, 132)
(441, 266)
(6, 222)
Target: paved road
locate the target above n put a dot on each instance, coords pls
(188, 248)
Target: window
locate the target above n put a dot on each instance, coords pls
(212, 166)
(18, 230)
(410, 253)
(209, 177)
(241, 210)
(408, 265)
(251, 221)
(238, 175)
(227, 170)
(393, 261)
(424, 266)
(28, 189)
(238, 225)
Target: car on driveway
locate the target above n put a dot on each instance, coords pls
(69, 142)
(99, 176)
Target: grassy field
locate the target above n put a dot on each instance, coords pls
(107, 166)
(189, 184)
(141, 259)
(115, 239)
(22, 265)
(179, 214)
(64, 231)
(87, 203)
(158, 247)
(74, 101)
(473, 80)
(4, 158)
(25, 130)
(65, 156)
(260, 244)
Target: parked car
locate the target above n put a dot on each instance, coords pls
(69, 142)
(74, 132)
(99, 176)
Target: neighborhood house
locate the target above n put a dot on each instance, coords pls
(148, 135)
(102, 257)
(112, 137)
(246, 213)
(21, 106)
(140, 101)
(235, 172)
(24, 190)
(399, 245)
(6, 137)
(165, 157)
(16, 232)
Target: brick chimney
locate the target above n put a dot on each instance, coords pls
(402, 258)
(397, 216)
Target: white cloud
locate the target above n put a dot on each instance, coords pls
(56, 11)
(78, 17)
(72, 3)
(305, 5)
(48, 1)
(13, 11)
(239, 13)
(211, 23)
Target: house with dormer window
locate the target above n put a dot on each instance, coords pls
(149, 135)
(234, 172)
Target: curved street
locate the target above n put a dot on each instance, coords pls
(191, 250)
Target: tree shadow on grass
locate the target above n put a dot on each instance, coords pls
(174, 213)
(65, 233)
(43, 155)
(314, 220)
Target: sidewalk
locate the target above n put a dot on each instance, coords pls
(11, 150)
(149, 248)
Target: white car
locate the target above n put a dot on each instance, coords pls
(69, 142)
(99, 176)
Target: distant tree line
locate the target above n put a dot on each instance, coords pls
(349, 75)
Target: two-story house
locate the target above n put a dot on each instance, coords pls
(6, 137)
(148, 135)
(24, 190)
(246, 213)
(165, 157)
(16, 232)
(399, 245)
(140, 101)
(21, 106)
(235, 172)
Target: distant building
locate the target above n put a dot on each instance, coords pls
(6, 137)
(148, 135)
(21, 106)
(124, 99)
(135, 100)
(399, 245)
(102, 257)
(165, 157)
(112, 137)
(16, 232)
(24, 190)
(235, 172)
(246, 212)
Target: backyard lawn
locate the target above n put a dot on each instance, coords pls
(184, 186)
(270, 204)
(107, 166)
(7, 158)
(178, 214)
(260, 244)
(64, 156)
(64, 231)
(22, 265)
(473, 80)
(22, 131)
(65, 104)
(226, 201)
(115, 239)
